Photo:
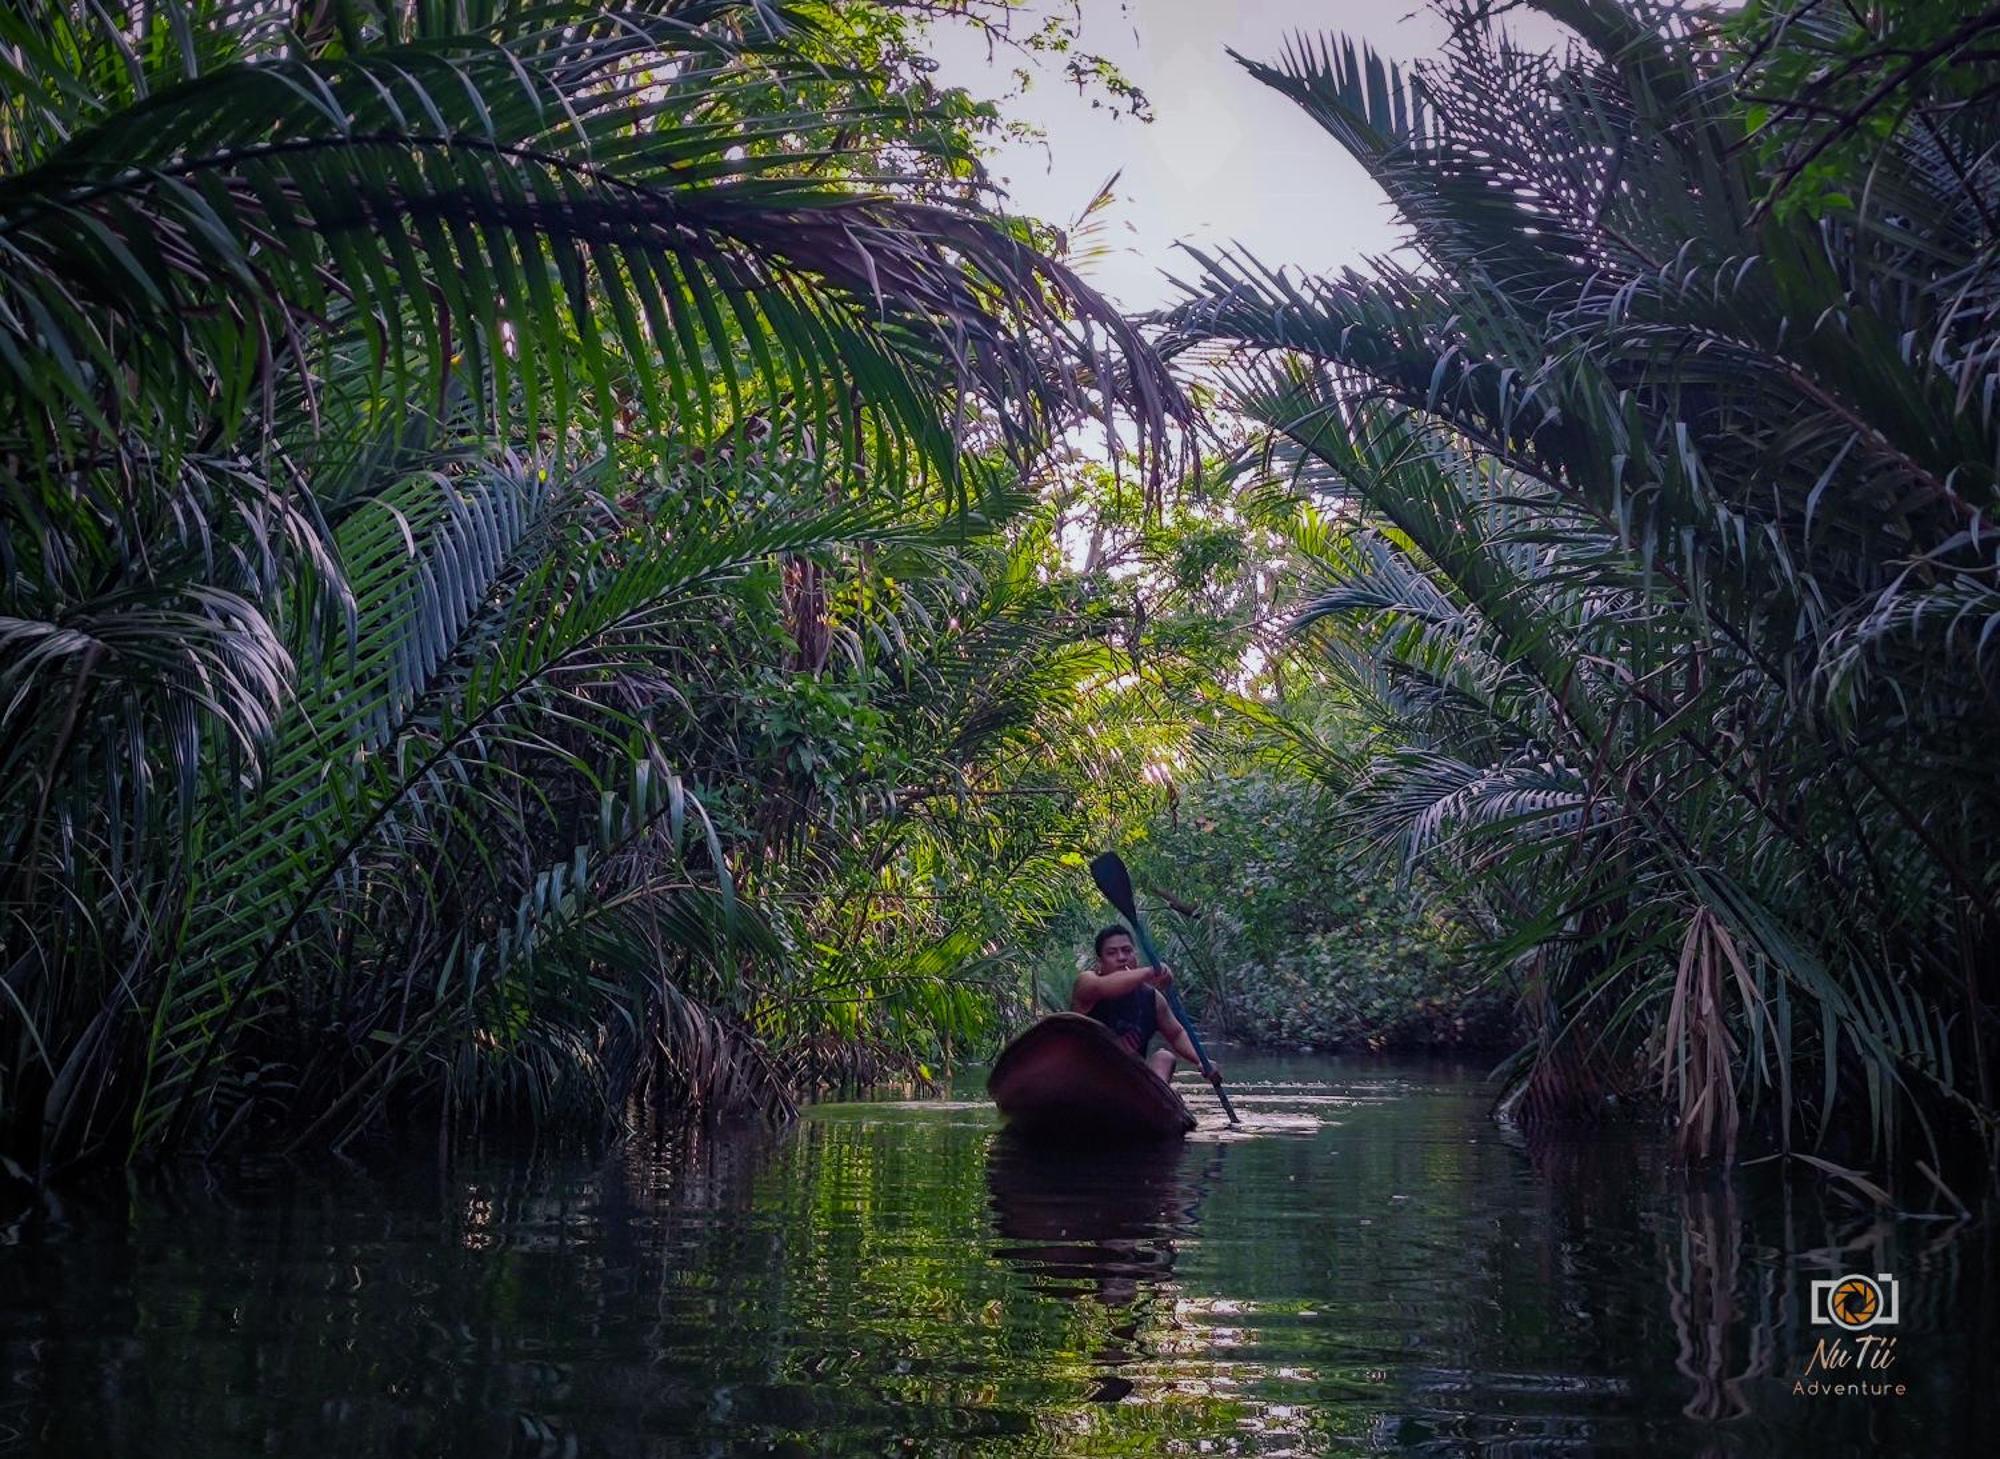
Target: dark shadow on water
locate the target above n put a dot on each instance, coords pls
(1698, 1281)
(1105, 1219)
(898, 1279)
(1100, 1224)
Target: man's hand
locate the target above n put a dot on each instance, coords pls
(1159, 977)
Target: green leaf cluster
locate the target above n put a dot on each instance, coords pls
(498, 500)
(1647, 531)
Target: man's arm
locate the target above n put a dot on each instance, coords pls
(1093, 988)
(1176, 1037)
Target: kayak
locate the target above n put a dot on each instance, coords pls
(1069, 1078)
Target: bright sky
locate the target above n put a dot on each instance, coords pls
(1226, 159)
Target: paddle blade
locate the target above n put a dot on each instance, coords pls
(1112, 879)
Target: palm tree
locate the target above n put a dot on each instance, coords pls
(1657, 549)
(402, 405)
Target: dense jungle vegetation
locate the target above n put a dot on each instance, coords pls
(555, 566)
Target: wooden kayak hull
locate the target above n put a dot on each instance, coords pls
(1069, 1079)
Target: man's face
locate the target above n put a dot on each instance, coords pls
(1117, 955)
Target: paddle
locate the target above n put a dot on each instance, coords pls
(1109, 872)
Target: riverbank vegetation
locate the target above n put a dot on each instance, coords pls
(548, 571)
(1649, 510)
(516, 562)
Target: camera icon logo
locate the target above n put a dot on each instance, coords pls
(1856, 1302)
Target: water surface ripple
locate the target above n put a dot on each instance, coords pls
(1368, 1265)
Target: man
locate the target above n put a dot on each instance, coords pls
(1126, 999)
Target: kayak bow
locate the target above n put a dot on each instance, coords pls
(1070, 1078)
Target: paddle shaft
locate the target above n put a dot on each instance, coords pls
(1129, 907)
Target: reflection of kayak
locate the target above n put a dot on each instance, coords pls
(1043, 1193)
(1069, 1078)
(1106, 1216)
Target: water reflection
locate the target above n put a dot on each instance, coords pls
(1102, 1225)
(900, 1278)
(1704, 1278)
(1098, 1222)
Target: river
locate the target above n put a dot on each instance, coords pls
(1368, 1265)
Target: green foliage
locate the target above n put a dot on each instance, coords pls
(1644, 531)
(826, 736)
(447, 451)
(1828, 89)
(1301, 936)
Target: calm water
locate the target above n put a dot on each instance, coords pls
(1370, 1265)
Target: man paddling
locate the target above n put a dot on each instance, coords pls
(1126, 999)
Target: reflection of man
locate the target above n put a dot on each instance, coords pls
(1126, 999)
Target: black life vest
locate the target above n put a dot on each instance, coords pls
(1133, 1016)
